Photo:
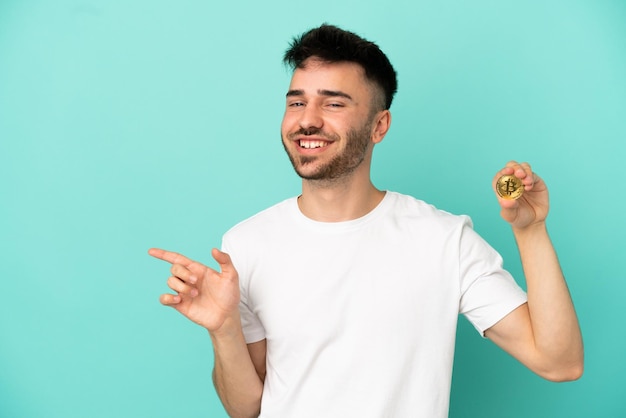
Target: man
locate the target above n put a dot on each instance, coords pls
(343, 302)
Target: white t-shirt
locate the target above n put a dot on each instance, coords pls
(360, 316)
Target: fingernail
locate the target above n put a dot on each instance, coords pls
(193, 279)
(194, 293)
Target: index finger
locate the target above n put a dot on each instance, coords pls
(170, 256)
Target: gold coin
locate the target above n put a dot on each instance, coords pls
(509, 187)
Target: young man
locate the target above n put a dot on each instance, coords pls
(344, 301)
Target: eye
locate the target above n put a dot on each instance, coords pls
(335, 105)
(295, 104)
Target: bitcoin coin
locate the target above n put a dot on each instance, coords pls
(509, 187)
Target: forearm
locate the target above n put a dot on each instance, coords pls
(234, 376)
(555, 327)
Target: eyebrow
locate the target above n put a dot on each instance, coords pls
(321, 92)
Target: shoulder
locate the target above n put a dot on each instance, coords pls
(263, 222)
(410, 209)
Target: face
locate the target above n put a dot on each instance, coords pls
(328, 123)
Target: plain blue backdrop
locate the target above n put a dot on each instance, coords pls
(131, 124)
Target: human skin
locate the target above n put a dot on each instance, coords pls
(326, 133)
(544, 333)
(326, 102)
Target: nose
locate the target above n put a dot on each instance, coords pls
(310, 117)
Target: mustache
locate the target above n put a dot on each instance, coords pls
(311, 131)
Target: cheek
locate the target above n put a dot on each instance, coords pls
(288, 123)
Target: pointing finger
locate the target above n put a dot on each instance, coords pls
(169, 256)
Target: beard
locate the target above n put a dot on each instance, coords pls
(342, 164)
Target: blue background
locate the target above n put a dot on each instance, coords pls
(131, 124)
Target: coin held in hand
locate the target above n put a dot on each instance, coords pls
(509, 187)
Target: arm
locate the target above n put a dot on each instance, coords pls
(238, 374)
(210, 299)
(544, 333)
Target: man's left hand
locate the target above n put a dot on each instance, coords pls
(532, 207)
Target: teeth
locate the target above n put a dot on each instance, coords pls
(313, 144)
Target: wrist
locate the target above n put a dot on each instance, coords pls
(531, 235)
(229, 330)
(533, 228)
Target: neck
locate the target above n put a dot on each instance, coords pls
(339, 200)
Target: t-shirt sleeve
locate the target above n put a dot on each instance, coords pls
(488, 292)
(253, 330)
(251, 325)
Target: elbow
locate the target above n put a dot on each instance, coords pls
(239, 410)
(565, 365)
(243, 408)
(565, 373)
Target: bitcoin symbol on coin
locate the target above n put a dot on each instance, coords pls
(509, 187)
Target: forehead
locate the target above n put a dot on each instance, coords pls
(339, 76)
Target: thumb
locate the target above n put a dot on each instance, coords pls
(509, 214)
(223, 259)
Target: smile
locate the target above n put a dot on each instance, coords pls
(308, 144)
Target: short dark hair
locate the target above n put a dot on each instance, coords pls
(332, 44)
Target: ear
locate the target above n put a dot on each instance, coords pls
(382, 122)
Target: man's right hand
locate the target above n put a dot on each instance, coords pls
(205, 296)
